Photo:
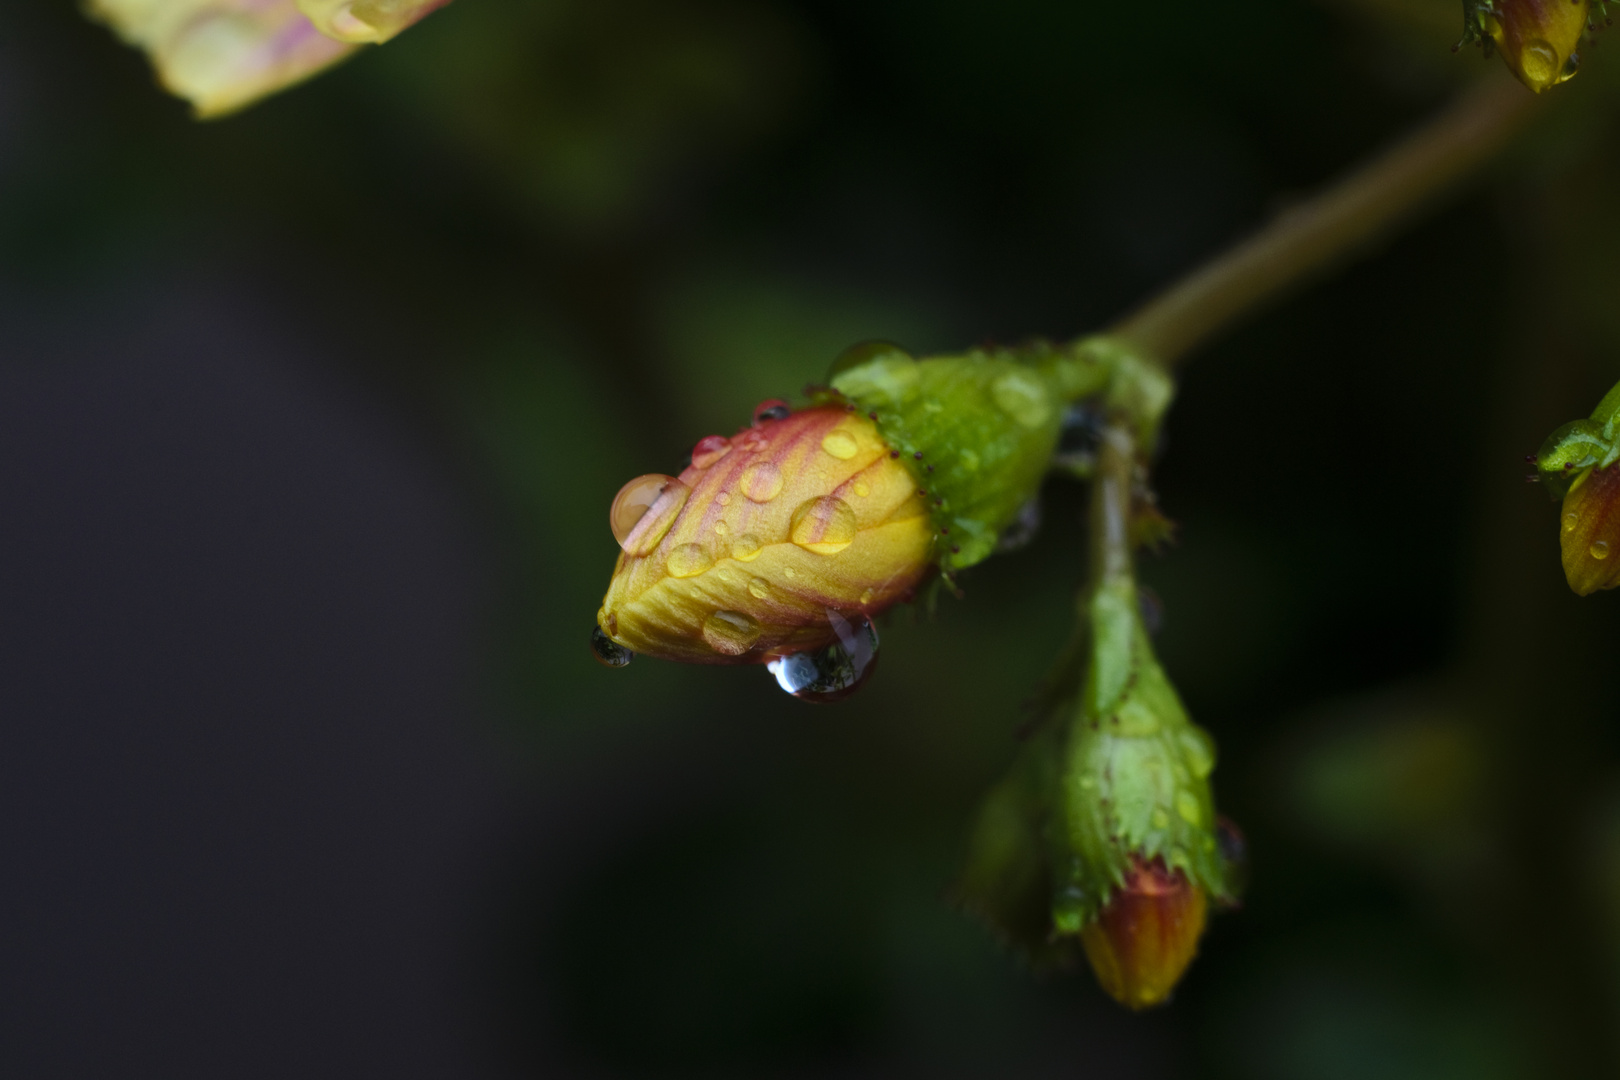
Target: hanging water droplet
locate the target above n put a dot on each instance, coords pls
(688, 560)
(834, 672)
(730, 632)
(607, 651)
(864, 353)
(746, 548)
(644, 509)
(1022, 395)
(1570, 521)
(761, 481)
(841, 444)
(1023, 529)
(825, 526)
(710, 450)
(1540, 64)
(771, 409)
(759, 588)
(1599, 550)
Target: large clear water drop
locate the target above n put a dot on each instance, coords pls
(608, 652)
(835, 672)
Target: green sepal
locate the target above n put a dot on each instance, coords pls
(1476, 31)
(1134, 773)
(1581, 445)
(978, 430)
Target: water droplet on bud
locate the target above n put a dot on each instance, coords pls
(688, 560)
(771, 409)
(730, 632)
(710, 450)
(1570, 521)
(841, 445)
(761, 481)
(1599, 550)
(834, 672)
(644, 509)
(825, 526)
(608, 652)
(745, 548)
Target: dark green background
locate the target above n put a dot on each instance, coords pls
(370, 359)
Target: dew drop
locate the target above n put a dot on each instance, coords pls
(825, 526)
(1022, 395)
(746, 548)
(841, 445)
(721, 528)
(644, 509)
(1599, 550)
(350, 27)
(688, 560)
(761, 481)
(730, 632)
(759, 588)
(771, 409)
(724, 498)
(1570, 521)
(1539, 62)
(607, 651)
(1187, 807)
(866, 596)
(834, 672)
(862, 490)
(710, 450)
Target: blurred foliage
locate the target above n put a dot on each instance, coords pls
(568, 238)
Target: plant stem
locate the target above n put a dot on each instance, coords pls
(1110, 516)
(1334, 224)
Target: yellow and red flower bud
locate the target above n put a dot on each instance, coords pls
(1538, 38)
(222, 54)
(1590, 531)
(1143, 940)
(749, 552)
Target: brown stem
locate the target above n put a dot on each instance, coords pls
(1332, 225)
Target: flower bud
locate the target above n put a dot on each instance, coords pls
(1140, 944)
(1538, 39)
(1590, 531)
(767, 536)
(221, 55)
(362, 21)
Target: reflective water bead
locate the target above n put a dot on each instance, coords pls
(1570, 522)
(761, 481)
(710, 450)
(730, 632)
(1599, 550)
(746, 548)
(607, 651)
(688, 560)
(841, 445)
(771, 409)
(644, 509)
(759, 588)
(825, 526)
(834, 672)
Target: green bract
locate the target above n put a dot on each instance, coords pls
(978, 430)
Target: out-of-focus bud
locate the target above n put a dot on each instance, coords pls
(1580, 462)
(1590, 531)
(1140, 944)
(772, 542)
(1538, 39)
(362, 21)
(221, 55)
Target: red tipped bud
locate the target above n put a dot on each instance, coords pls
(1590, 531)
(1143, 940)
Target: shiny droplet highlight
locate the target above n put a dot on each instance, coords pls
(825, 526)
(841, 445)
(771, 409)
(1599, 550)
(644, 509)
(688, 560)
(761, 481)
(1570, 521)
(746, 548)
(730, 633)
(710, 450)
(834, 672)
(608, 652)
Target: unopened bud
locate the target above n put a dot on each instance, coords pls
(771, 542)
(1580, 462)
(1538, 39)
(1142, 941)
